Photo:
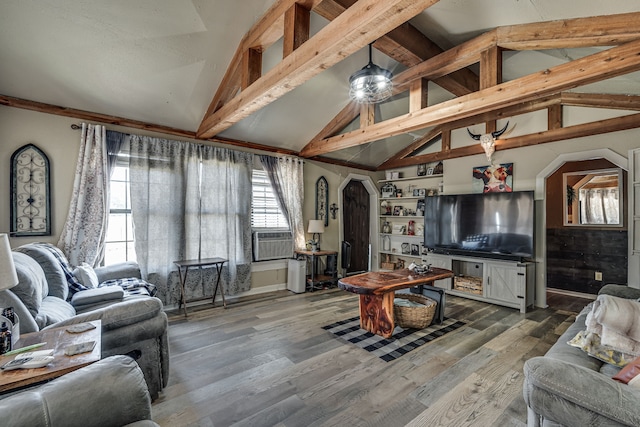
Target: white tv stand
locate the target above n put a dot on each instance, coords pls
(507, 283)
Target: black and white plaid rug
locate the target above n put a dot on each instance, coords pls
(401, 342)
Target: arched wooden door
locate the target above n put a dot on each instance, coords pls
(355, 217)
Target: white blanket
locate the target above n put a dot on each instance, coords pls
(617, 322)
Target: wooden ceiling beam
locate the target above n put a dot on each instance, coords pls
(607, 30)
(454, 59)
(408, 46)
(578, 131)
(601, 100)
(603, 65)
(297, 21)
(266, 31)
(445, 129)
(338, 40)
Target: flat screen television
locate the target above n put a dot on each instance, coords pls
(490, 225)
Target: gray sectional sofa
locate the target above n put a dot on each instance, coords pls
(567, 387)
(131, 324)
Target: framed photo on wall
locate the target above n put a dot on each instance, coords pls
(493, 178)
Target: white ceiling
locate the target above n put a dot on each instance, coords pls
(161, 61)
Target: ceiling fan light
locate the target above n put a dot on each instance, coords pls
(371, 84)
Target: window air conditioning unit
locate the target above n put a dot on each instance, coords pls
(272, 245)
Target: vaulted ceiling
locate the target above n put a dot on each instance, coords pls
(273, 75)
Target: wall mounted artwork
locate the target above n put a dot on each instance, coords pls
(322, 200)
(30, 192)
(493, 179)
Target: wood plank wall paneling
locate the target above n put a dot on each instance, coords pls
(575, 254)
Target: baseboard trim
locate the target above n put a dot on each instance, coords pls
(230, 298)
(571, 293)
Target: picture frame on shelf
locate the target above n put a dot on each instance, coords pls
(419, 192)
(415, 249)
(420, 208)
(398, 229)
(429, 171)
(422, 169)
(388, 190)
(406, 248)
(397, 210)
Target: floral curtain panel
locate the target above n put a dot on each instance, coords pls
(287, 180)
(83, 234)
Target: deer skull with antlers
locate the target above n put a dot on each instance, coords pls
(488, 141)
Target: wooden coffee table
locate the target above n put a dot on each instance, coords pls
(377, 291)
(57, 339)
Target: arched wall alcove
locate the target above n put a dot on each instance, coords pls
(540, 195)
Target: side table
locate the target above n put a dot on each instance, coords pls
(315, 279)
(183, 269)
(56, 339)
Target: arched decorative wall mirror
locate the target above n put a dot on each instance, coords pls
(593, 198)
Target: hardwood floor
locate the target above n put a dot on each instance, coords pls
(266, 361)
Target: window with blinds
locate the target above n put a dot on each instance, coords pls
(265, 211)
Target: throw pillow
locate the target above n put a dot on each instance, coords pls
(86, 275)
(630, 373)
(590, 343)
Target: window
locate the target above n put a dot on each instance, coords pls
(119, 242)
(265, 211)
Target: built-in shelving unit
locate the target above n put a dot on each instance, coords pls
(401, 230)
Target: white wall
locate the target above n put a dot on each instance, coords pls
(53, 135)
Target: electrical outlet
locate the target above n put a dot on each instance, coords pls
(599, 276)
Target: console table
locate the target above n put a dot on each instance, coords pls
(316, 279)
(183, 269)
(377, 291)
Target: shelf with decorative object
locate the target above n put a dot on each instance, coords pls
(411, 178)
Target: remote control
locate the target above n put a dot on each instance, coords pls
(37, 353)
(27, 363)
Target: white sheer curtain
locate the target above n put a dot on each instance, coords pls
(287, 180)
(190, 201)
(82, 237)
(226, 214)
(164, 178)
(599, 206)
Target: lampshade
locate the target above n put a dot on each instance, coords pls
(316, 226)
(370, 85)
(8, 275)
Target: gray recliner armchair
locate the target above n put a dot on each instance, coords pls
(110, 392)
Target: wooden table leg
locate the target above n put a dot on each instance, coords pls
(376, 314)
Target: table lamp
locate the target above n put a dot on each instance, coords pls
(8, 279)
(8, 275)
(316, 227)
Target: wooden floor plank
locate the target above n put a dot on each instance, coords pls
(266, 361)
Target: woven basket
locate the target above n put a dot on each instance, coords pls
(414, 317)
